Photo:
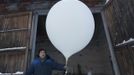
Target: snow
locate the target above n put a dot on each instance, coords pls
(106, 1)
(131, 39)
(18, 72)
(89, 73)
(14, 48)
(125, 42)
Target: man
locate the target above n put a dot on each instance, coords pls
(43, 65)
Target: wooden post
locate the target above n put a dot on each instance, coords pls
(28, 42)
(79, 69)
(112, 53)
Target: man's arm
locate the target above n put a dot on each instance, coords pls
(58, 66)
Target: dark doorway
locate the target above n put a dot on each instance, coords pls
(42, 41)
(41, 34)
(41, 29)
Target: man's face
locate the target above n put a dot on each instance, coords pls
(42, 54)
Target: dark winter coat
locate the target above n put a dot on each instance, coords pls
(43, 68)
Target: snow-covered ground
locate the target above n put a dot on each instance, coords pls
(16, 73)
(132, 46)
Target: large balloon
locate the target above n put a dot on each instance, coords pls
(70, 26)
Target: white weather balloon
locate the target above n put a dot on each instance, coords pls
(70, 26)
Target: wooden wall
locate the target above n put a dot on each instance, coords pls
(13, 28)
(14, 34)
(120, 21)
(12, 61)
(94, 2)
(21, 5)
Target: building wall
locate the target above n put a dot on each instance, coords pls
(14, 41)
(94, 58)
(119, 18)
